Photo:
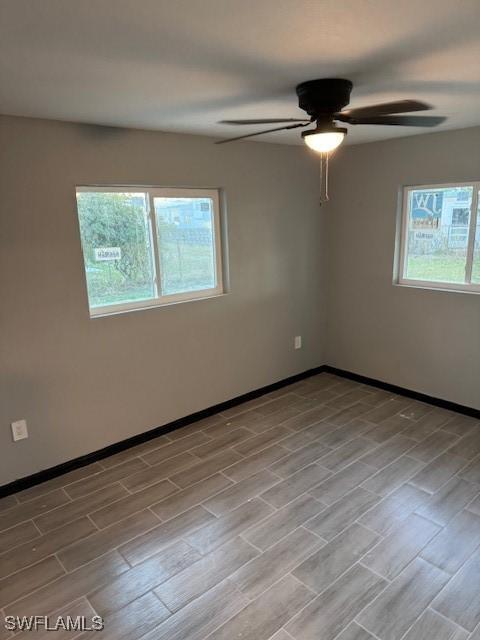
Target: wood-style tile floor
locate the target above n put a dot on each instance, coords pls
(326, 510)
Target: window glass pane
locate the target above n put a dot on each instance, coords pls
(476, 255)
(116, 247)
(186, 242)
(438, 221)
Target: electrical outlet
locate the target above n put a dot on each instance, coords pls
(298, 342)
(19, 430)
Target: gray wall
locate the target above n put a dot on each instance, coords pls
(424, 340)
(85, 383)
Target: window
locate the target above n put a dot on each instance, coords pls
(146, 247)
(440, 240)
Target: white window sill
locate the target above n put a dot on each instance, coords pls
(115, 310)
(444, 288)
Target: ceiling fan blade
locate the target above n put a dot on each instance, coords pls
(265, 121)
(403, 121)
(399, 106)
(259, 133)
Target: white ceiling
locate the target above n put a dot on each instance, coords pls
(182, 65)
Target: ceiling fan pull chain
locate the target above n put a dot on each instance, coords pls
(324, 178)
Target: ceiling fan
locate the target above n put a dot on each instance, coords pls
(323, 101)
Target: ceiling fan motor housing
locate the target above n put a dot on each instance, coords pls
(323, 97)
(323, 100)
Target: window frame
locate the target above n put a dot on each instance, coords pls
(466, 287)
(162, 300)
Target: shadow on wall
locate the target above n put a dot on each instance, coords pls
(100, 131)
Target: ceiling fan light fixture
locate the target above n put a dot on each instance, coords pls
(324, 140)
(324, 100)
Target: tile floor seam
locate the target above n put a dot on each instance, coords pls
(260, 551)
(264, 551)
(133, 513)
(172, 612)
(117, 548)
(36, 516)
(396, 578)
(126, 488)
(46, 584)
(85, 514)
(197, 504)
(379, 575)
(364, 628)
(229, 619)
(88, 516)
(13, 527)
(36, 526)
(437, 524)
(160, 521)
(439, 613)
(270, 586)
(415, 621)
